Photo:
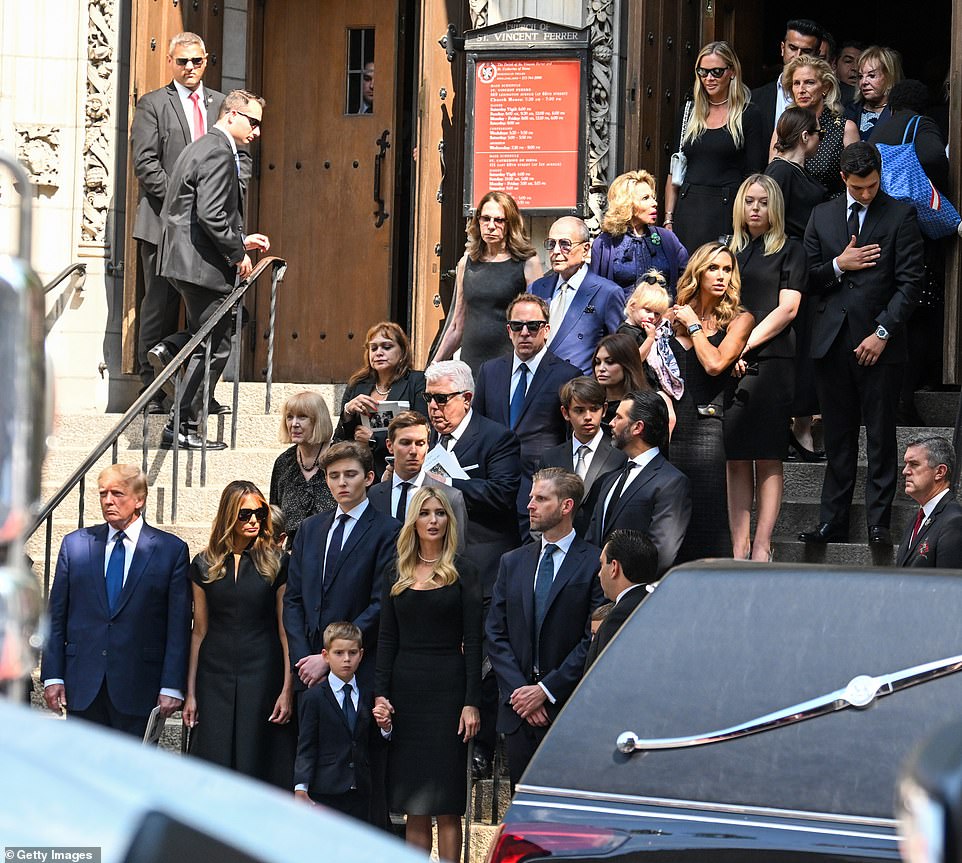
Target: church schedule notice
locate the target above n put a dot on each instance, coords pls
(526, 131)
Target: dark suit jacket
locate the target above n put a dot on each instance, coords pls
(764, 98)
(658, 502)
(143, 646)
(598, 308)
(158, 135)
(352, 592)
(491, 456)
(330, 758)
(884, 294)
(939, 543)
(202, 220)
(613, 622)
(606, 459)
(379, 495)
(565, 633)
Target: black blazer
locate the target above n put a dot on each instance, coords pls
(565, 633)
(158, 135)
(352, 592)
(613, 622)
(658, 503)
(884, 294)
(939, 543)
(606, 459)
(764, 99)
(379, 495)
(330, 758)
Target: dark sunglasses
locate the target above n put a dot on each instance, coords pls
(255, 123)
(702, 72)
(565, 244)
(531, 326)
(196, 61)
(441, 399)
(245, 514)
(818, 132)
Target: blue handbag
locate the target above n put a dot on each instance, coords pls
(904, 177)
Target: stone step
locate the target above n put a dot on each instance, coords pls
(799, 515)
(834, 553)
(805, 481)
(937, 408)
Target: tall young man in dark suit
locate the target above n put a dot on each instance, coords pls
(165, 122)
(539, 625)
(590, 452)
(203, 247)
(520, 390)
(866, 267)
(649, 494)
(935, 537)
(583, 306)
(120, 614)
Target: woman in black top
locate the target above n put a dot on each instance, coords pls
(774, 272)
(617, 366)
(879, 70)
(723, 142)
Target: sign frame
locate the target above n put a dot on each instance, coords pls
(531, 40)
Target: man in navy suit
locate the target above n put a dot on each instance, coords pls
(120, 612)
(583, 306)
(538, 629)
(590, 452)
(166, 121)
(520, 390)
(649, 494)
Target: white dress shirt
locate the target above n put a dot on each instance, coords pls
(642, 460)
(187, 104)
(558, 558)
(561, 302)
(354, 514)
(592, 445)
(849, 200)
(415, 483)
(532, 365)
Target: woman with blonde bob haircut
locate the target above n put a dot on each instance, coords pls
(631, 244)
(879, 70)
(428, 678)
(239, 684)
(722, 142)
(298, 485)
(774, 272)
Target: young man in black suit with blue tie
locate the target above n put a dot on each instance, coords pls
(538, 628)
(866, 267)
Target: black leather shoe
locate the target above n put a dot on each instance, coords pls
(159, 358)
(190, 440)
(809, 456)
(878, 535)
(825, 532)
(157, 405)
(215, 408)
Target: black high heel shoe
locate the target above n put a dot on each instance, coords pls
(805, 454)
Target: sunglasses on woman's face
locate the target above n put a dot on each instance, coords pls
(245, 514)
(719, 72)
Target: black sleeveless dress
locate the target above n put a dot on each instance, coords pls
(488, 287)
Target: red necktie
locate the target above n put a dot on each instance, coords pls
(918, 523)
(198, 116)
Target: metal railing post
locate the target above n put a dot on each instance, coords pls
(203, 414)
(236, 346)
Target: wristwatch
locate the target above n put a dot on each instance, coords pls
(881, 332)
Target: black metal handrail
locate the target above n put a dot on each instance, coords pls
(73, 268)
(230, 303)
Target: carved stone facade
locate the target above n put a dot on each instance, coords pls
(38, 150)
(478, 9)
(600, 20)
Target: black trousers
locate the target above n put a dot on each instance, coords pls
(159, 310)
(353, 803)
(849, 394)
(521, 746)
(102, 712)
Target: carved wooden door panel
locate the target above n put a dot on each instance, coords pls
(327, 175)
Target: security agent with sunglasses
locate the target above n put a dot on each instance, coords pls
(520, 391)
(203, 247)
(582, 305)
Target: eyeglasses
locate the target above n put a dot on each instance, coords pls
(531, 326)
(493, 220)
(563, 244)
(194, 61)
(441, 399)
(260, 514)
(255, 123)
(718, 72)
(818, 132)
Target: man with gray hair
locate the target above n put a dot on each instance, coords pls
(935, 537)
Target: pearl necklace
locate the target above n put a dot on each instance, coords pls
(717, 104)
(425, 560)
(381, 392)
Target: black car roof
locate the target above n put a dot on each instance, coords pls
(721, 643)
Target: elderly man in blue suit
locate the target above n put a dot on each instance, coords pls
(583, 306)
(119, 614)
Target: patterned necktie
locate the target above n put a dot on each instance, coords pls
(402, 502)
(198, 116)
(542, 587)
(115, 570)
(517, 397)
(918, 526)
(854, 210)
(334, 549)
(350, 712)
(581, 466)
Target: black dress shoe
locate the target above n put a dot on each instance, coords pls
(190, 440)
(807, 455)
(157, 405)
(159, 358)
(215, 408)
(878, 535)
(825, 532)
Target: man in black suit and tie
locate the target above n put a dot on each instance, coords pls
(865, 273)
(520, 390)
(539, 626)
(120, 608)
(407, 442)
(166, 121)
(203, 248)
(802, 36)
(649, 494)
(629, 563)
(590, 453)
(935, 537)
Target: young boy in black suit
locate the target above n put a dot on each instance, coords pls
(337, 731)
